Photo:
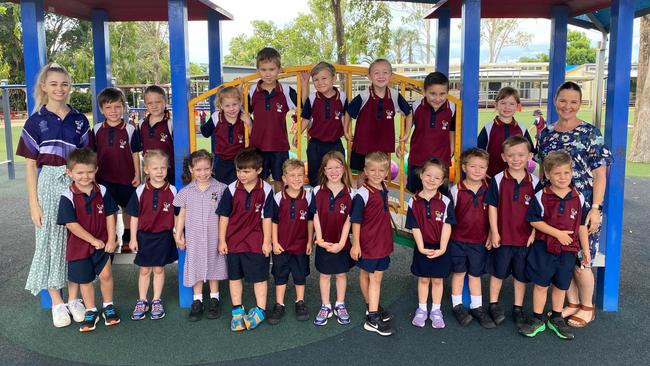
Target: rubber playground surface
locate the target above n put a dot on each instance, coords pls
(27, 336)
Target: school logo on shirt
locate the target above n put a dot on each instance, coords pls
(43, 126)
(337, 115)
(240, 138)
(278, 107)
(445, 125)
(163, 137)
(485, 206)
(574, 212)
(122, 143)
(214, 196)
(389, 114)
(303, 214)
(527, 199)
(100, 208)
(342, 207)
(80, 125)
(166, 206)
(438, 216)
(258, 206)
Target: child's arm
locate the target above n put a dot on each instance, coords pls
(303, 126)
(304, 86)
(277, 248)
(531, 238)
(310, 236)
(563, 236)
(266, 229)
(317, 230)
(408, 124)
(246, 118)
(494, 227)
(337, 247)
(347, 123)
(419, 243)
(179, 226)
(583, 235)
(133, 224)
(110, 227)
(76, 229)
(136, 165)
(355, 252)
(452, 142)
(444, 240)
(223, 226)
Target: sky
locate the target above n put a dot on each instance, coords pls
(246, 11)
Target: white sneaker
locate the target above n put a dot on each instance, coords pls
(60, 316)
(77, 310)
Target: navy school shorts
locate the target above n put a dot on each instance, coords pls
(372, 265)
(467, 257)
(252, 267)
(316, 149)
(439, 267)
(272, 165)
(544, 268)
(120, 193)
(508, 260)
(333, 263)
(224, 170)
(87, 269)
(287, 263)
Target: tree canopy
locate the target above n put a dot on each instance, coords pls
(579, 50)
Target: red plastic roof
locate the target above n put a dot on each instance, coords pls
(131, 10)
(519, 8)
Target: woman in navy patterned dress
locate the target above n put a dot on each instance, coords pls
(585, 144)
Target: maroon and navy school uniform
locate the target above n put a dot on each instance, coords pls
(269, 110)
(159, 137)
(492, 137)
(375, 122)
(229, 140)
(48, 140)
(468, 236)
(333, 212)
(429, 216)
(325, 117)
(512, 200)
(370, 209)
(155, 212)
(90, 212)
(549, 261)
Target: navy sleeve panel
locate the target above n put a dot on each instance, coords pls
(530, 141)
(453, 122)
(225, 205)
(451, 214)
(293, 95)
(133, 207)
(276, 212)
(403, 105)
(136, 145)
(207, 128)
(66, 213)
(268, 206)
(109, 204)
(411, 222)
(492, 197)
(482, 140)
(312, 205)
(354, 107)
(356, 212)
(306, 110)
(534, 213)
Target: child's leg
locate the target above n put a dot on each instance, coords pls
(280, 291)
(436, 291)
(260, 289)
(457, 283)
(495, 289)
(214, 286)
(158, 282)
(88, 294)
(73, 291)
(300, 292)
(423, 290)
(364, 284)
(374, 290)
(197, 289)
(55, 295)
(341, 286)
(236, 288)
(557, 299)
(520, 292)
(475, 286)
(324, 281)
(106, 282)
(143, 282)
(539, 298)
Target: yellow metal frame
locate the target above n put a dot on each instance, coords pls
(403, 82)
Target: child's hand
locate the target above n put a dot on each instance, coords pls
(304, 78)
(586, 260)
(310, 249)
(399, 151)
(495, 240)
(394, 205)
(110, 247)
(564, 237)
(133, 244)
(222, 248)
(277, 249)
(136, 181)
(425, 252)
(295, 140)
(246, 118)
(348, 136)
(335, 247)
(266, 249)
(294, 128)
(436, 253)
(180, 242)
(531, 239)
(355, 252)
(98, 244)
(488, 242)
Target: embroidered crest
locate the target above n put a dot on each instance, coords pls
(122, 143)
(100, 208)
(342, 207)
(43, 126)
(163, 137)
(389, 114)
(278, 107)
(166, 207)
(214, 196)
(485, 205)
(574, 212)
(527, 199)
(438, 215)
(258, 206)
(445, 125)
(303, 215)
(79, 124)
(337, 115)
(240, 137)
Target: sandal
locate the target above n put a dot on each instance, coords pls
(571, 305)
(578, 322)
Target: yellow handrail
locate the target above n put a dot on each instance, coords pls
(405, 83)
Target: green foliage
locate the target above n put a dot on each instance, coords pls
(540, 57)
(197, 69)
(82, 101)
(140, 52)
(579, 50)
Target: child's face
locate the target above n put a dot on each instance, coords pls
(567, 103)
(56, 86)
(517, 157)
(230, 107)
(248, 175)
(83, 175)
(294, 178)
(155, 104)
(334, 171)
(380, 75)
(432, 178)
(507, 107)
(376, 172)
(475, 168)
(268, 71)
(436, 95)
(201, 170)
(323, 81)
(560, 176)
(156, 169)
(113, 111)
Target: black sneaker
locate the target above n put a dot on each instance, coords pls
(276, 314)
(214, 310)
(110, 316)
(196, 311)
(560, 328)
(483, 318)
(90, 322)
(496, 313)
(532, 327)
(462, 315)
(519, 317)
(302, 313)
(378, 326)
(384, 314)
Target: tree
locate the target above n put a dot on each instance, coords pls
(501, 33)
(540, 57)
(640, 146)
(642, 64)
(579, 50)
(422, 27)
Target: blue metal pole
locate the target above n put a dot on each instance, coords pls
(443, 42)
(180, 80)
(33, 25)
(557, 64)
(101, 57)
(616, 118)
(214, 57)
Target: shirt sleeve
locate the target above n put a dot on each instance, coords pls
(492, 197)
(482, 140)
(136, 145)
(86, 130)
(66, 213)
(30, 139)
(452, 126)
(268, 206)
(276, 212)
(534, 213)
(530, 141)
(403, 105)
(306, 109)
(133, 207)
(208, 128)
(354, 107)
(451, 214)
(293, 95)
(110, 207)
(411, 221)
(180, 199)
(225, 204)
(312, 205)
(597, 153)
(356, 212)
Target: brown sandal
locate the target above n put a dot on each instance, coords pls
(577, 322)
(571, 305)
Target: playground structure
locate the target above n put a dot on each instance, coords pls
(611, 17)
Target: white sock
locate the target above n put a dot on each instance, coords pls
(423, 306)
(435, 307)
(198, 297)
(329, 306)
(339, 303)
(456, 300)
(104, 305)
(477, 302)
(214, 295)
(91, 309)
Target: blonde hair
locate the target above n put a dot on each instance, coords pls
(155, 154)
(227, 92)
(379, 158)
(380, 61)
(338, 157)
(291, 164)
(555, 159)
(40, 97)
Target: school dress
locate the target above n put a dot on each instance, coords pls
(202, 260)
(48, 139)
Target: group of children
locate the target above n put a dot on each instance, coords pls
(233, 224)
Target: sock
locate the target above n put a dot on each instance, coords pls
(214, 295)
(494, 303)
(339, 303)
(435, 307)
(517, 307)
(556, 314)
(92, 309)
(198, 297)
(422, 306)
(104, 305)
(373, 315)
(329, 306)
(456, 300)
(539, 316)
(476, 302)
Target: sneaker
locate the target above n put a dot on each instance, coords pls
(302, 313)
(559, 326)
(196, 311)
(140, 310)
(496, 313)
(323, 314)
(518, 316)
(77, 310)
(385, 315)
(483, 318)
(437, 321)
(90, 322)
(110, 316)
(420, 318)
(532, 327)
(237, 321)
(342, 315)
(214, 310)
(276, 314)
(157, 310)
(254, 318)
(378, 326)
(60, 316)
(462, 315)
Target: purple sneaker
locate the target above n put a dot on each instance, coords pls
(342, 315)
(420, 318)
(436, 319)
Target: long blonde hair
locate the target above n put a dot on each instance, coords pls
(40, 97)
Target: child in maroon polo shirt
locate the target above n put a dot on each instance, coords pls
(509, 195)
(156, 129)
(372, 238)
(558, 213)
(87, 211)
(293, 229)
